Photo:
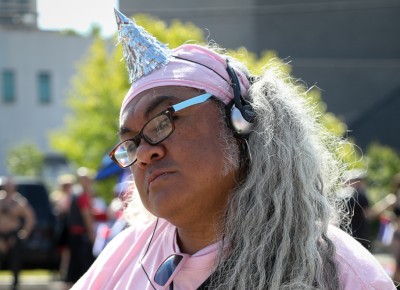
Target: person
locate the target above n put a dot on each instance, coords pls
(81, 224)
(116, 220)
(394, 206)
(17, 220)
(358, 206)
(61, 202)
(237, 174)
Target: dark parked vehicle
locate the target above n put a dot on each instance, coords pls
(40, 250)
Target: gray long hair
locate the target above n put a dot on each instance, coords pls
(275, 226)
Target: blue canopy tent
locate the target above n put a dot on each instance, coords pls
(108, 169)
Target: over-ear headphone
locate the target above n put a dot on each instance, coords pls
(239, 112)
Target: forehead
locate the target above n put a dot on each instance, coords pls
(148, 101)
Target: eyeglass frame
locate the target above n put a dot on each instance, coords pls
(169, 112)
(175, 271)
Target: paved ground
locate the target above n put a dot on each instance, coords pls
(48, 282)
(38, 281)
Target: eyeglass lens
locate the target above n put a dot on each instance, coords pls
(154, 132)
(167, 268)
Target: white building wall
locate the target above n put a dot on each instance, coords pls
(28, 53)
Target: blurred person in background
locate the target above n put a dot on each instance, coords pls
(358, 206)
(81, 228)
(237, 175)
(394, 206)
(116, 207)
(61, 202)
(119, 202)
(116, 221)
(17, 220)
(99, 211)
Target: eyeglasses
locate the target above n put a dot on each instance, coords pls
(168, 269)
(153, 132)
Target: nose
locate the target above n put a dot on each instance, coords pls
(147, 153)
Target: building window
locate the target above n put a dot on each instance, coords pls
(8, 86)
(44, 82)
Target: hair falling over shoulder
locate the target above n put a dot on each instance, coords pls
(276, 223)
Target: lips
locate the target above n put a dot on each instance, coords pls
(156, 174)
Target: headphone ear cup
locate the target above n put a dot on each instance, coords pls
(240, 114)
(236, 122)
(247, 112)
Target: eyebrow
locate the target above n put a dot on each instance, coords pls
(154, 103)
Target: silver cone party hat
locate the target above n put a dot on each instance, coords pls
(143, 53)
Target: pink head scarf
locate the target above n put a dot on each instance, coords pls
(191, 66)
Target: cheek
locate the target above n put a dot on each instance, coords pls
(200, 145)
(140, 184)
(138, 177)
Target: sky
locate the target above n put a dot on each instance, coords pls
(78, 15)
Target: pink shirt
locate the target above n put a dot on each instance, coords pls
(118, 266)
(358, 268)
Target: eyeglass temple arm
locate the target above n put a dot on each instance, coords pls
(193, 101)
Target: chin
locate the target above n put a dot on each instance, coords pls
(161, 202)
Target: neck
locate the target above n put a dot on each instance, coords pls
(194, 239)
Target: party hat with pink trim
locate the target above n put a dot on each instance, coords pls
(143, 53)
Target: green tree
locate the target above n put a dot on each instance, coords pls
(25, 160)
(382, 163)
(177, 33)
(97, 91)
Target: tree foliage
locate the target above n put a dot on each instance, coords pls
(97, 91)
(177, 33)
(25, 160)
(383, 163)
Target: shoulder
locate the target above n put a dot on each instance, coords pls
(131, 241)
(358, 268)
(118, 262)
(134, 233)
